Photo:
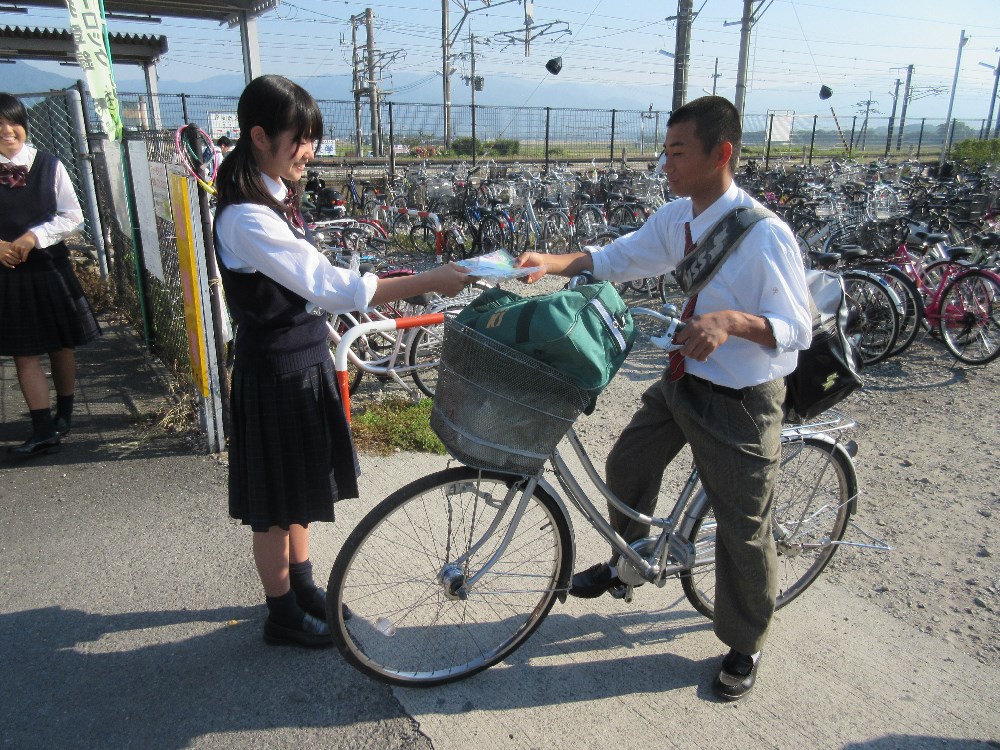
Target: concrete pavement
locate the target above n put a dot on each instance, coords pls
(131, 617)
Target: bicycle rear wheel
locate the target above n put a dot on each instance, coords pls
(970, 317)
(913, 306)
(813, 500)
(878, 327)
(405, 573)
(423, 238)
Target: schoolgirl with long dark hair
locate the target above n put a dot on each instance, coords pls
(290, 451)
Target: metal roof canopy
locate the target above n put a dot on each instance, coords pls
(57, 45)
(242, 13)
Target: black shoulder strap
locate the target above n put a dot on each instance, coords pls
(698, 268)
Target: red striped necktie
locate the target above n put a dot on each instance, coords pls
(676, 358)
(292, 211)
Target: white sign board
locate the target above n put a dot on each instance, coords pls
(145, 204)
(223, 124)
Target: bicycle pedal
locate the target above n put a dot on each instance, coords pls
(622, 592)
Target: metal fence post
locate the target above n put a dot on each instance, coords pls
(946, 146)
(612, 159)
(548, 116)
(854, 124)
(87, 178)
(184, 108)
(920, 140)
(812, 141)
(767, 145)
(392, 147)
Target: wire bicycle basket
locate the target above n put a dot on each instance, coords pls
(497, 409)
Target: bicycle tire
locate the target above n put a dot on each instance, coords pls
(589, 223)
(369, 201)
(813, 500)
(492, 235)
(408, 626)
(557, 233)
(621, 215)
(913, 307)
(425, 352)
(970, 317)
(423, 238)
(879, 312)
(348, 197)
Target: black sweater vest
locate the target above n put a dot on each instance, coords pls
(31, 205)
(273, 330)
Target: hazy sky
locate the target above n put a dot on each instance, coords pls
(857, 47)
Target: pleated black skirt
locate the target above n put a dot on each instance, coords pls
(291, 456)
(43, 308)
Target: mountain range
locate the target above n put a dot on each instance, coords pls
(507, 91)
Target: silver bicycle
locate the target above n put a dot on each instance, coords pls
(453, 572)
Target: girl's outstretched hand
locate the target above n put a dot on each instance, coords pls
(449, 279)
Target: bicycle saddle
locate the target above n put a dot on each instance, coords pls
(824, 260)
(850, 252)
(961, 253)
(545, 205)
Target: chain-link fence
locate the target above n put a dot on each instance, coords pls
(55, 125)
(406, 133)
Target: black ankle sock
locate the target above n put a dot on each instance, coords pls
(311, 598)
(64, 408)
(284, 610)
(42, 424)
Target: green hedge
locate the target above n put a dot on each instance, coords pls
(977, 153)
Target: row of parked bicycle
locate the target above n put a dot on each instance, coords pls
(917, 250)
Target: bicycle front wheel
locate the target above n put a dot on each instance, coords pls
(407, 574)
(425, 352)
(813, 497)
(970, 317)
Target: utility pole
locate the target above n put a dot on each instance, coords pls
(472, 84)
(907, 91)
(741, 73)
(892, 119)
(372, 86)
(993, 98)
(715, 76)
(357, 83)
(446, 71)
(529, 21)
(867, 104)
(682, 51)
(946, 145)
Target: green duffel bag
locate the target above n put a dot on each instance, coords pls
(585, 333)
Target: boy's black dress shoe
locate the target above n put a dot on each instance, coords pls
(35, 446)
(737, 676)
(593, 582)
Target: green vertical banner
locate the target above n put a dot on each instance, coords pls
(93, 54)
